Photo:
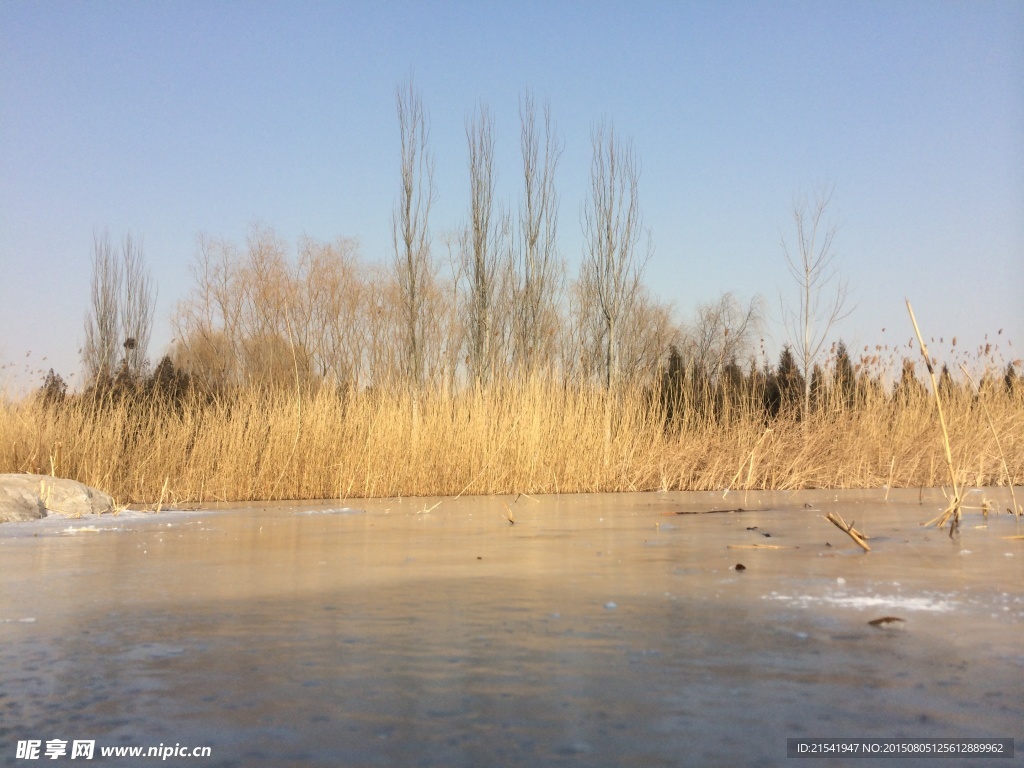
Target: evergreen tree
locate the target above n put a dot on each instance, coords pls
(844, 381)
(819, 392)
(791, 381)
(785, 386)
(54, 389)
(672, 383)
(731, 388)
(1011, 379)
(168, 381)
(909, 386)
(946, 384)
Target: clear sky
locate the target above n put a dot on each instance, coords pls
(171, 119)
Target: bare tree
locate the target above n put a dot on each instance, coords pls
(385, 326)
(581, 337)
(261, 318)
(822, 291)
(481, 247)
(612, 228)
(136, 309)
(409, 226)
(647, 332)
(453, 340)
(208, 337)
(120, 318)
(267, 325)
(102, 323)
(722, 331)
(331, 308)
(539, 274)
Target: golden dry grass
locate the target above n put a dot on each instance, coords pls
(541, 437)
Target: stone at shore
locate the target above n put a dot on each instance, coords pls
(30, 497)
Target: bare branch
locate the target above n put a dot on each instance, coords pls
(410, 232)
(120, 319)
(100, 351)
(612, 228)
(482, 247)
(822, 291)
(538, 273)
(137, 306)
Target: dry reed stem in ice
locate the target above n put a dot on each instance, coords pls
(953, 511)
(991, 425)
(163, 492)
(748, 461)
(849, 530)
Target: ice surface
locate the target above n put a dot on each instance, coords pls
(319, 635)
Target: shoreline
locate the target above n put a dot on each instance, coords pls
(680, 503)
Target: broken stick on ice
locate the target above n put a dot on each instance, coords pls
(849, 530)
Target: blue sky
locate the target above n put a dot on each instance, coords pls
(174, 119)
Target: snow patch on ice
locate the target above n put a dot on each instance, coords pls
(338, 511)
(934, 603)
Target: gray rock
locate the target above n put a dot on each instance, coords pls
(30, 497)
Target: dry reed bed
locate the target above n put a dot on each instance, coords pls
(537, 438)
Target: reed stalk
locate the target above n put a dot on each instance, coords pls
(1017, 511)
(952, 512)
(541, 436)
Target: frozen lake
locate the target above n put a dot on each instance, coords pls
(596, 631)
